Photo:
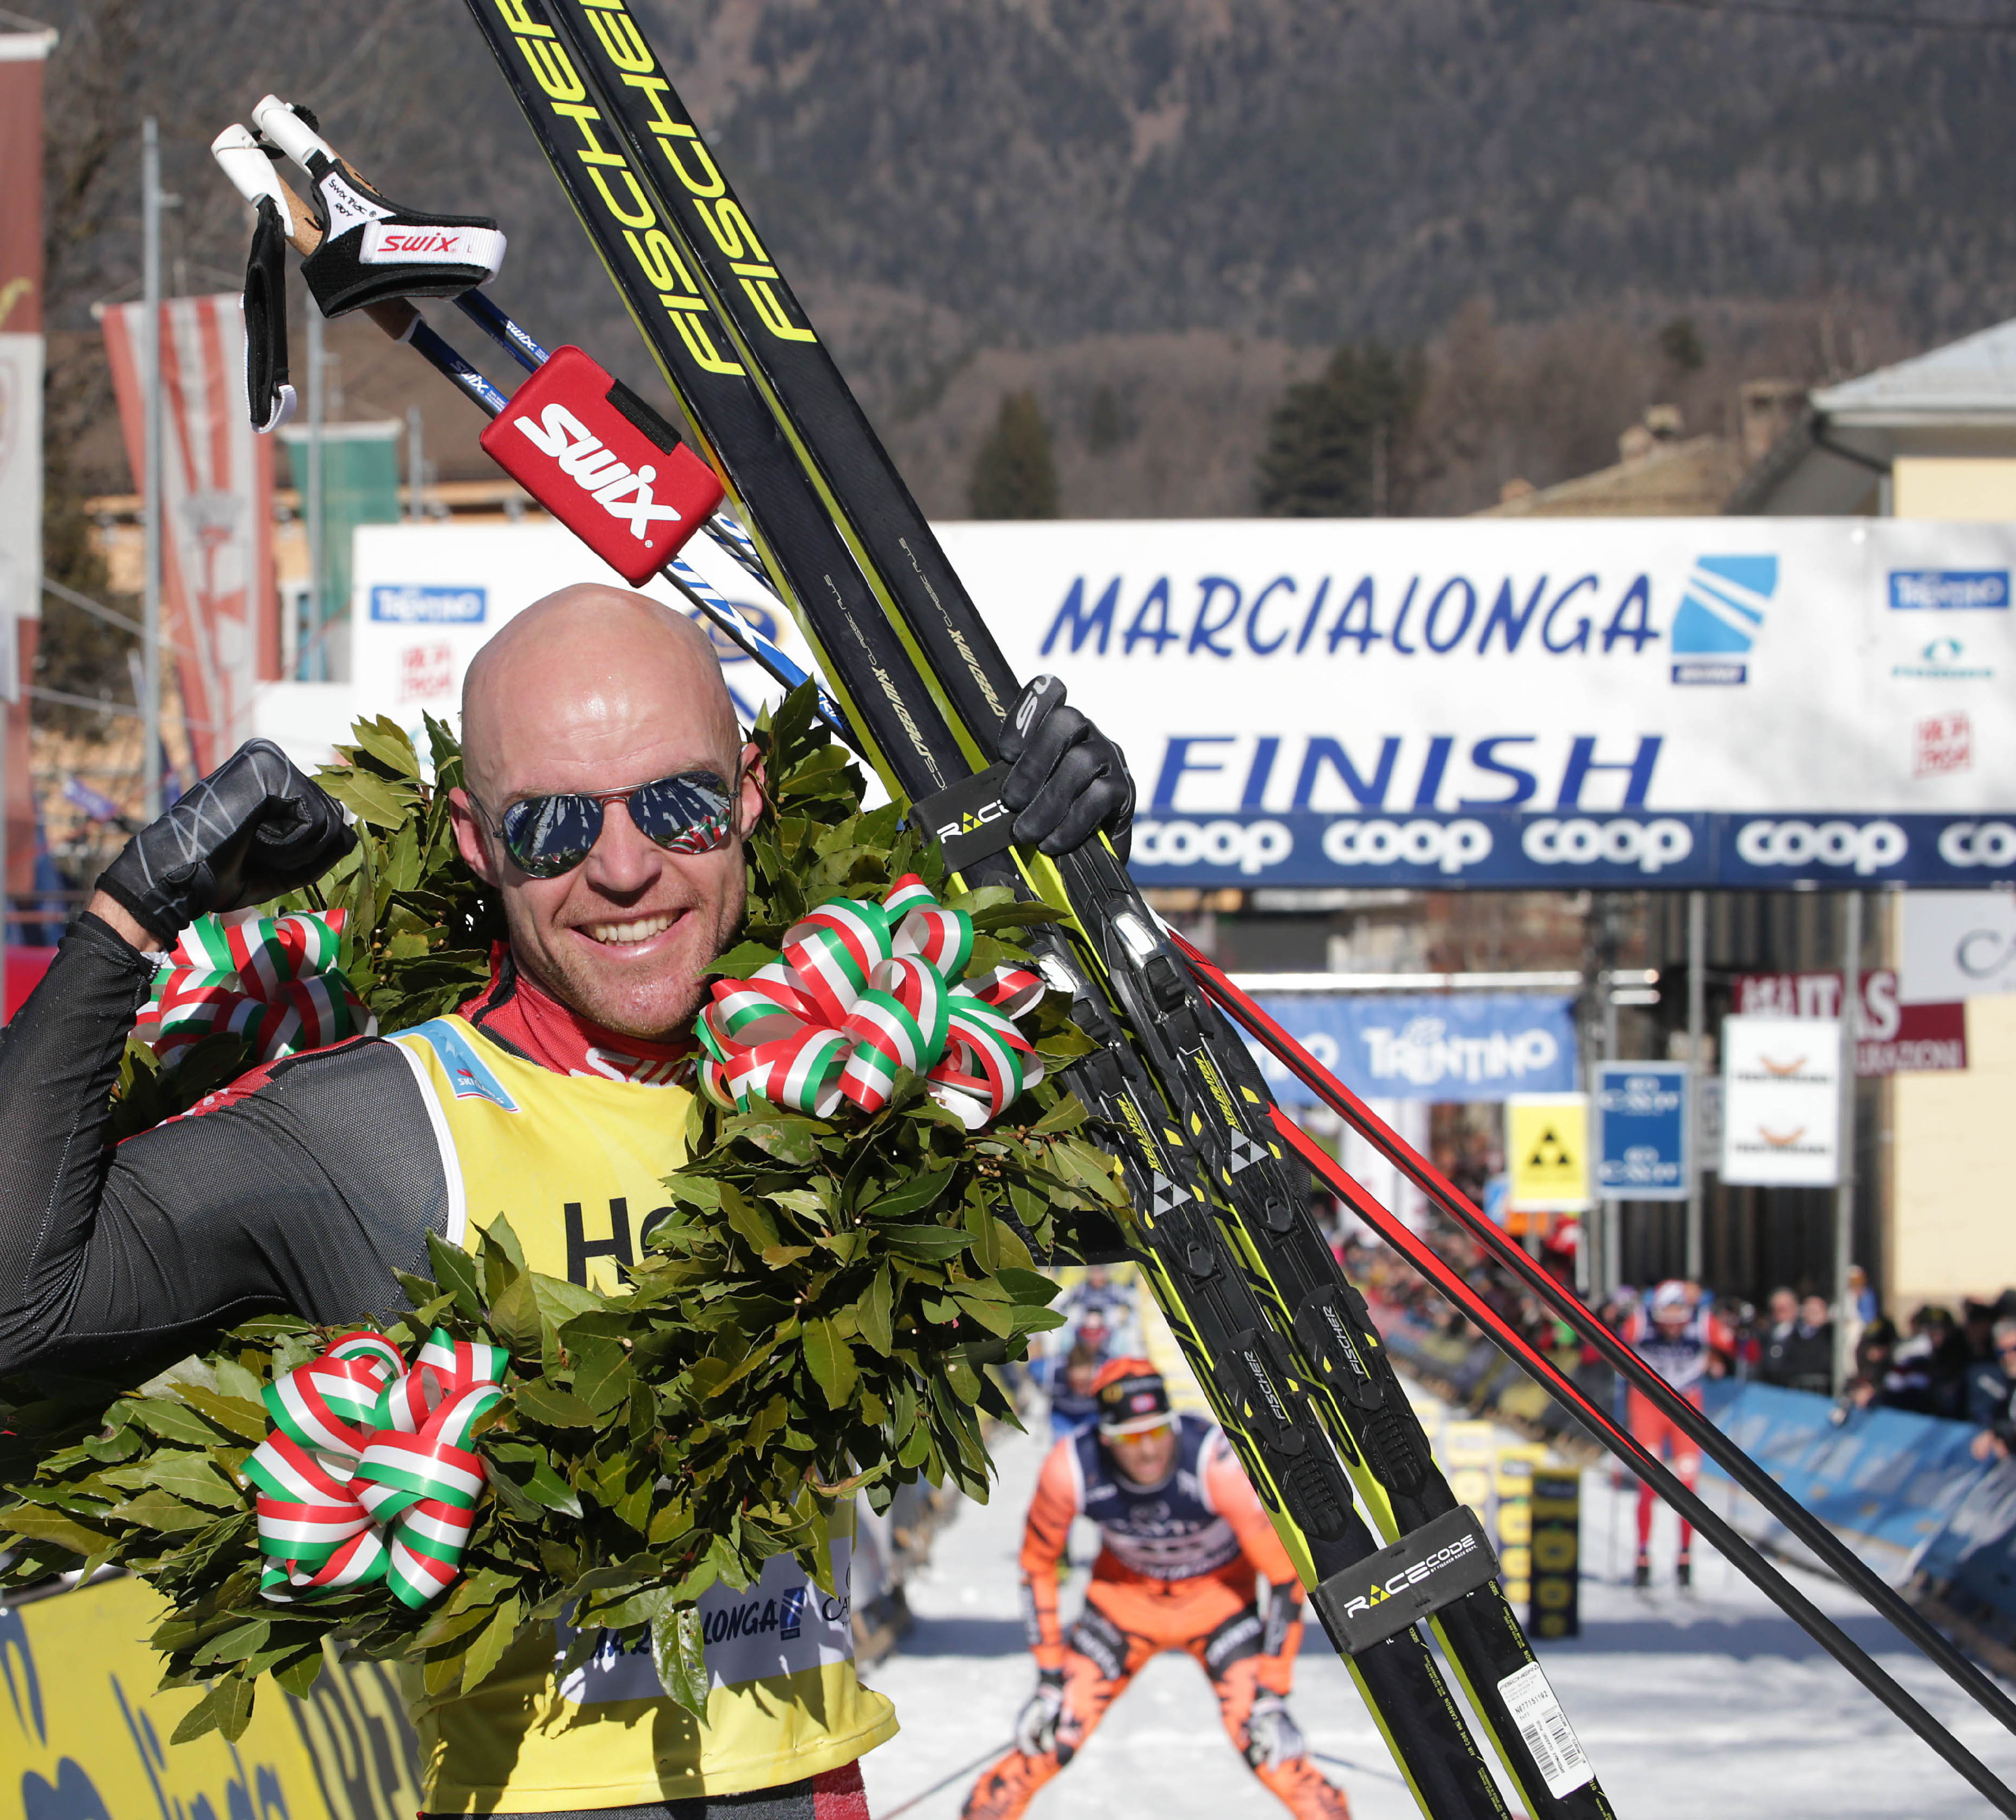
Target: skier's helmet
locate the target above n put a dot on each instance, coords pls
(1132, 1396)
(1673, 1300)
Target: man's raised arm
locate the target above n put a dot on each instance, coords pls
(281, 1200)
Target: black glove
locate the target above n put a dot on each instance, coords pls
(253, 829)
(1272, 1737)
(1036, 1726)
(1067, 780)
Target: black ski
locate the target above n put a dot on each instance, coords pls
(1192, 1053)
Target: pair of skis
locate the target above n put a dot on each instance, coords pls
(1281, 1344)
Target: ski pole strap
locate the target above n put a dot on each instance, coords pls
(367, 1474)
(273, 980)
(860, 991)
(1409, 1580)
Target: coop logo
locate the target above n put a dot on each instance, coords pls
(1447, 845)
(1412, 1575)
(1868, 846)
(1248, 847)
(1967, 844)
(623, 492)
(1949, 590)
(1649, 846)
(1722, 612)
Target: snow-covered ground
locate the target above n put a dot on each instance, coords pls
(1708, 1704)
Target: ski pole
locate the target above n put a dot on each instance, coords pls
(1842, 1561)
(244, 161)
(986, 1755)
(1739, 1552)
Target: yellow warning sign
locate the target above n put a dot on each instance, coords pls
(1547, 1153)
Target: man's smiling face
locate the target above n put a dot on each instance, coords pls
(591, 690)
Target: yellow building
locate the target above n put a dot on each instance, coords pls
(1931, 438)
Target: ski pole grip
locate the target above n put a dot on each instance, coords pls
(239, 156)
(288, 130)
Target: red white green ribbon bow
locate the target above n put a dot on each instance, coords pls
(367, 1474)
(274, 979)
(860, 990)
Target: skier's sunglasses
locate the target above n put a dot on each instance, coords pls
(691, 812)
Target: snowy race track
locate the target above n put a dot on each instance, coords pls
(1708, 1704)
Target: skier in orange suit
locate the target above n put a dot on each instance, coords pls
(1188, 1561)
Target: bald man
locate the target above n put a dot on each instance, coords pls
(608, 791)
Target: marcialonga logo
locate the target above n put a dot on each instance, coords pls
(623, 202)
(686, 155)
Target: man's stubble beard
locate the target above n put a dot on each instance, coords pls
(585, 992)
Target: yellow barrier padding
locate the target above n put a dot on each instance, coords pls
(84, 1736)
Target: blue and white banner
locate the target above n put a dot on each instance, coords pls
(1564, 702)
(1427, 1046)
(1642, 1150)
(1621, 850)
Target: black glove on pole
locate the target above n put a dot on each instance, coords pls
(253, 829)
(1067, 778)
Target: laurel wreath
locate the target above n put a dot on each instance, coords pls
(817, 1317)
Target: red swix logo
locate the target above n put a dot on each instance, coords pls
(633, 497)
(596, 469)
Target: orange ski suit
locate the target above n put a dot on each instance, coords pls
(1181, 1576)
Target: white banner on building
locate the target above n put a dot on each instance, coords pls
(425, 599)
(1781, 1101)
(1475, 665)
(1956, 944)
(217, 479)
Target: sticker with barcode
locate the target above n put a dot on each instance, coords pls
(1557, 1752)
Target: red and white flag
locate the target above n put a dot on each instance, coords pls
(220, 614)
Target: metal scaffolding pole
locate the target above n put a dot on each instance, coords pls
(314, 655)
(150, 456)
(1844, 1200)
(1697, 1033)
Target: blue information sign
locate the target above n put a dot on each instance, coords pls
(1641, 1131)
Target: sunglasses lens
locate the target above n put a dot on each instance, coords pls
(546, 835)
(686, 814)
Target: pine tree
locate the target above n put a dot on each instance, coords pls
(1336, 445)
(1013, 476)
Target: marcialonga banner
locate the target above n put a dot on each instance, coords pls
(217, 478)
(84, 1736)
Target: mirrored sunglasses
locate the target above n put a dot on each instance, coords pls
(688, 813)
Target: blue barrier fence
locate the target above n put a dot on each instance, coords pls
(1905, 1491)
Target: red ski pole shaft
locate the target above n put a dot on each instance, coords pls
(1841, 1560)
(1745, 1557)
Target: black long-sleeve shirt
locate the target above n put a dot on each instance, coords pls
(303, 1188)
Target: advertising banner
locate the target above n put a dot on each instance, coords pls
(1891, 1037)
(217, 479)
(1781, 1101)
(1642, 1153)
(1547, 1152)
(1956, 945)
(1435, 1047)
(86, 1731)
(1668, 701)
(427, 598)
(22, 56)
